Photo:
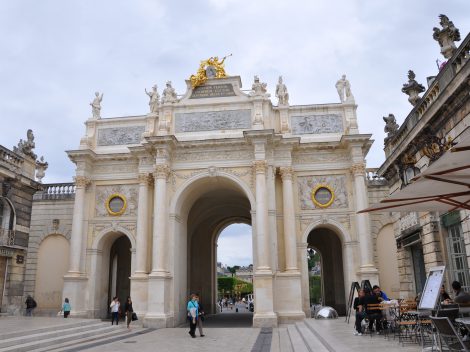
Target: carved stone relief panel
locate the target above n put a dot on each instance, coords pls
(213, 120)
(130, 192)
(317, 124)
(115, 168)
(237, 153)
(323, 157)
(336, 182)
(120, 135)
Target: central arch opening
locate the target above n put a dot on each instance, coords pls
(235, 275)
(212, 204)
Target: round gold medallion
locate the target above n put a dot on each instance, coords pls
(323, 196)
(116, 204)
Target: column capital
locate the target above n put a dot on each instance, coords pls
(81, 181)
(161, 171)
(287, 173)
(259, 166)
(144, 179)
(358, 169)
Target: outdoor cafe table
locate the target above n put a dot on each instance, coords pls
(464, 311)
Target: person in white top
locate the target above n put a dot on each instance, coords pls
(115, 304)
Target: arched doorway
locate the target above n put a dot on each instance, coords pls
(328, 244)
(208, 214)
(111, 268)
(120, 269)
(206, 206)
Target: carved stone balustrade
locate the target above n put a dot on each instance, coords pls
(10, 159)
(56, 191)
(373, 179)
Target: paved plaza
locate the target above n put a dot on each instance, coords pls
(223, 332)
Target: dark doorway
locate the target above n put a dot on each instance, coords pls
(329, 246)
(120, 269)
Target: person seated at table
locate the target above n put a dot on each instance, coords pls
(380, 294)
(360, 311)
(444, 297)
(373, 314)
(460, 296)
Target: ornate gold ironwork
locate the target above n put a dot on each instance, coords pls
(201, 76)
(119, 211)
(319, 188)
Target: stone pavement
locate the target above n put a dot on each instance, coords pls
(224, 332)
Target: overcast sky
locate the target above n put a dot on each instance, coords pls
(56, 54)
(234, 246)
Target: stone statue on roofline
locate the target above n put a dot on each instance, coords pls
(343, 88)
(446, 36)
(258, 89)
(41, 167)
(281, 93)
(169, 94)
(96, 105)
(391, 127)
(412, 88)
(154, 99)
(26, 147)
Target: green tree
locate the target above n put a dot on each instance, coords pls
(226, 284)
(233, 269)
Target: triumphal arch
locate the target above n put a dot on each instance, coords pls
(153, 193)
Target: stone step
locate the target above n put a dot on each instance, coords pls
(298, 343)
(310, 338)
(89, 342)
(50, 342)
(281, 341)
(50, 332)
(60, 325)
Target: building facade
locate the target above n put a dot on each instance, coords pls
(149, 188)
(17, 186)
(438, 119)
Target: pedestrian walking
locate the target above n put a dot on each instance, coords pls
(129, 311)
(66, 308)
(192, 315)
(115, 304)
(30, 305)
(201, 316)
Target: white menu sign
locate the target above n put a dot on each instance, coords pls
(432, 287)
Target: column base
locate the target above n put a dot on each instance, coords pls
(158, 321)
(75, 289)
(369, 272)
(139, 293)
(290, 317)
(158, 301)
(261, 320)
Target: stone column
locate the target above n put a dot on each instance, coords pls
(160, 237)
(75, 282)
(362, 220)
(159, 313)
(262, 236)
(142, 226)
(76, 239)
(289, 219)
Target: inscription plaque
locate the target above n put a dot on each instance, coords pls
(213, 120)
(317, 124)
(120, 135)
(213, 91)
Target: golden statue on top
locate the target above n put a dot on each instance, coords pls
(210, 68)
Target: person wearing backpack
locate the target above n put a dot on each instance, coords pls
(30, 305)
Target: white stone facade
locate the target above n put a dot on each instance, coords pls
(214, 157)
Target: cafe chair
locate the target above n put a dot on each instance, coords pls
(448, 335)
